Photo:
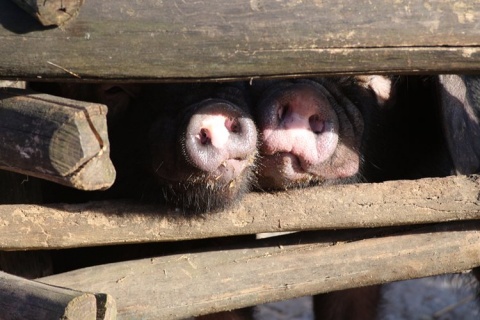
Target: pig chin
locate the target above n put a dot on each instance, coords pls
(229, 170)
(283, 170)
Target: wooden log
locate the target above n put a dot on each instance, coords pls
(178, 286)
(51, 12)
(26, 299)
(336, 207)
(185, 40)
(54, 138)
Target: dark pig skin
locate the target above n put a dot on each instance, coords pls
(459, 97)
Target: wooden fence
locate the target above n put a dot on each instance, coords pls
(397, 230)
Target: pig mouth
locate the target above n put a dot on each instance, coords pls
(229, 170)
(287, 164)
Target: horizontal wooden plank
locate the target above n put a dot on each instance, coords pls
(184, 40)
(178, 286)
(336, 207)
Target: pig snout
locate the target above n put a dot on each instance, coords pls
(303, 126)
(307, 135)
(220, 140)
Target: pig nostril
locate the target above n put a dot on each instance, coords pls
(317, 125)
(204, 137)
(282, 112)
(232, 125)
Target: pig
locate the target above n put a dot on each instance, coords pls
(365, 128)
(203, 144)
(337, 130)
(331, 130)
(191, 146)
(311, 130)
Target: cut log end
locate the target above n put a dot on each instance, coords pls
(56, 139)
(51, 12)
(42, 301)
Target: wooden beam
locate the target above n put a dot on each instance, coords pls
(51, 12)
(337, 207)
(185, 40)
(179, 286)
(57, 139)
(26, 299)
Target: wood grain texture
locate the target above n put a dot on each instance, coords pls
(337, 207)
(184, 40)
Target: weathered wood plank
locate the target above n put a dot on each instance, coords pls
(178, 286)
(54, 138)
(350, 206)
(26, 299)
(184, 40)
(51, 12)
